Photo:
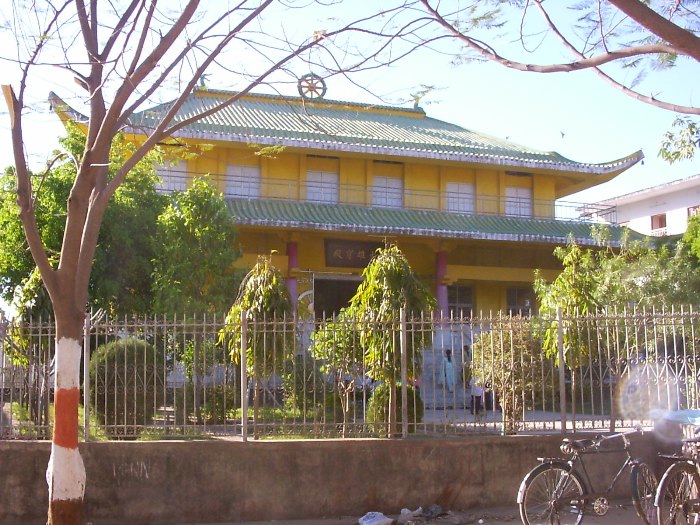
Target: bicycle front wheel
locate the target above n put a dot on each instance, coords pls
(551, 494)
(677, 495)
(644, 485)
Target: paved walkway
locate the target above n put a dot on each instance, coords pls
(618, 515)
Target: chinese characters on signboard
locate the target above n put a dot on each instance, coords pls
(349, 254)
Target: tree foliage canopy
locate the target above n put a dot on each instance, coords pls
(264, 300)
(193, 272)
(389, 285)
(126, 245)
(639, 274)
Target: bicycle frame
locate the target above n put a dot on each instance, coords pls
(576, 463)
(591, 493)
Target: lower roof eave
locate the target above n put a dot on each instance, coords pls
(420, 232)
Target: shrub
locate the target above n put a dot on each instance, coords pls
(127, 378)
(221, 403)
(378, 406)
(303, 383)
(332, 408)
(509, 357)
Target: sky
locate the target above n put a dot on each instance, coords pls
(576, 114)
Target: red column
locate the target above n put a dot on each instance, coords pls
(440, 286)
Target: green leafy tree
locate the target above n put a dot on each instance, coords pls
(193, 272)
(378, 407)
(122, 280)
(390, 286)
(16, 263)
(264, 300)
(336, 344)
(508, 357)
(637, 275)
(683, 143)
(574, 294)
(691, 238)
(122, 277)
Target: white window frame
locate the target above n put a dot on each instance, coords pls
(460, 197)
(173, 177)
(387, 192)
(322, 186)
(243, 181)
(518, 201)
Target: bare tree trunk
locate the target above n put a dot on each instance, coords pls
(65, 474)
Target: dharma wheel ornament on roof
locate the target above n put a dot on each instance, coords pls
(312, 86)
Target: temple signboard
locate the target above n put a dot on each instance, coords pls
(349, 254)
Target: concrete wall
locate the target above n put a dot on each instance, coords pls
(217, 481)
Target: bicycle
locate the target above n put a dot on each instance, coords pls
(558, 491)
(678, 494)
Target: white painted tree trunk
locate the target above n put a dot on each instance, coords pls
(65, 474)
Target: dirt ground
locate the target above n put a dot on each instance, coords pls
(619, 514)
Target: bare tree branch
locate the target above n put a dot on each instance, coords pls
(610, 80)
(680, 41)
(683, 41)
(583, 63)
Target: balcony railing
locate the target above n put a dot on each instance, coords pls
(410, 199)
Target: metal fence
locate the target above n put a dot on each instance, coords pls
(180, 377)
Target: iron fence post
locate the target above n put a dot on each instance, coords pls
(404, 375)
(244, 377)
(562, 370)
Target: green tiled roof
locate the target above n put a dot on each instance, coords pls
(395, 221)
(337, 126)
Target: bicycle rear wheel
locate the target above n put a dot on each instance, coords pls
(644, 485)
(677, 495)
(551, 494)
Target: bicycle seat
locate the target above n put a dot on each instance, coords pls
(569, 446)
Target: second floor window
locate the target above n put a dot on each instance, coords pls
(387, 192)
(322, 186)
(173, 177)
(243, 181)
(460, 197)
(518, 201)
(658, 222)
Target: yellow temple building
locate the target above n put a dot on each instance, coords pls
(322, 184)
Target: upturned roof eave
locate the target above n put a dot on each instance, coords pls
(609, 168)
